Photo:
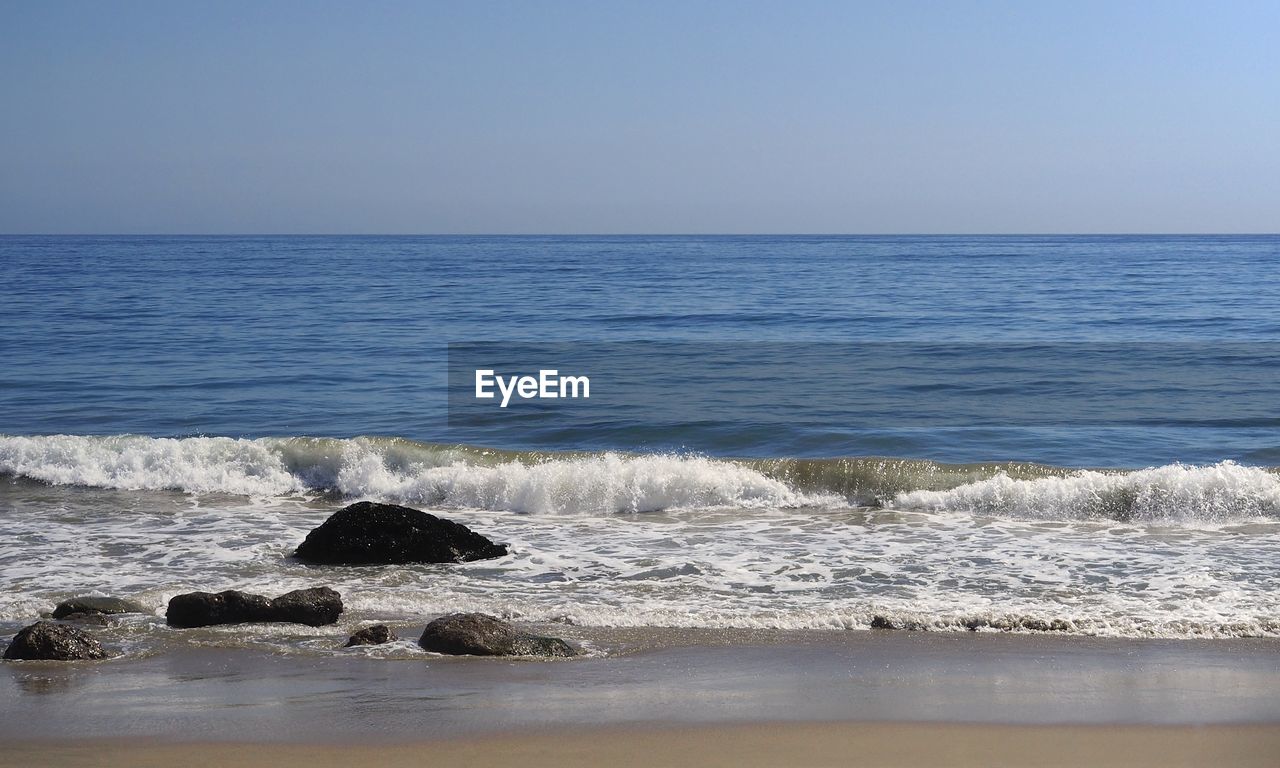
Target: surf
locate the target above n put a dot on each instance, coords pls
(605, 482)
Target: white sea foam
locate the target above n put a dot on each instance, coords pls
(396, 471)
(735, 547)
(193, 464)
(585, 483)
(1173, 493)
(720, 568)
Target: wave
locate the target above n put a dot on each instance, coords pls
(397, 470)
(1221, 492)
(460, 476)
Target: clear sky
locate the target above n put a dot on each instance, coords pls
(639, 117)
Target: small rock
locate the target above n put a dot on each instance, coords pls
(105, 605)
(881, 622)
(375, 635)
(47, 640)
(366, 533)
(316, 606)
(478, 634)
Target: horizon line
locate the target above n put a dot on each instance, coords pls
(639, 234)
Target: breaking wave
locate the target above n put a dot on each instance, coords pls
(397, 470)
(459, 476)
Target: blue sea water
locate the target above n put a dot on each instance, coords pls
(346, 336)
(177, 412)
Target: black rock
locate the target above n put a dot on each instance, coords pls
(1011, 623)
(911, 625)
(47, 640)
(202, 609)
(98, 619)
(370, 534)
(104, 605)
(375, 635)
(315, 606)
(478, 634)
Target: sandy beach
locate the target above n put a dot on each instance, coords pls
(763, 744)
(666, 697)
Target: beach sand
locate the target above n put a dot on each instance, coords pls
(741, 746)
(665, 697)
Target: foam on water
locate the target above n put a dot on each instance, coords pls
(463, 477)
(1172, 551)
(1169, 494)
(727, 567)
(395, 470)
(193, 464)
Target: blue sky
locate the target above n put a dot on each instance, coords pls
(642, 117)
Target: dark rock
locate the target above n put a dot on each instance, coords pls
(47, 640)
(375, 635)
(99, 619)
(909, 625)
(368, 534)
(315, 606)
(478, 634)
(1013, 623)
(104, 605)
(202, 609)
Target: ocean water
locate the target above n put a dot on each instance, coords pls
(1067, 434)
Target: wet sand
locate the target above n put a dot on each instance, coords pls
(770, 745)
(664, 697)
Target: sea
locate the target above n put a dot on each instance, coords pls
(1029, 434)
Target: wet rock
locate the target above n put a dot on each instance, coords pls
(375, 635)
(100, 605)
(97, 619)
(911, 625)
(1014, 623)
(47, 640)
(315, 606)
(202, 609)
(1040, 625)
(478, 634)
(371, 534)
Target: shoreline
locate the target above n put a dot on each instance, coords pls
(765, 744)
(645, 679)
